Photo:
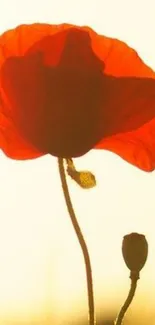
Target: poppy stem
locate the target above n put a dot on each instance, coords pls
(128, 300)
(81, 241)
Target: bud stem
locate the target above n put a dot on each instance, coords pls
(81, 241)
(128, 300)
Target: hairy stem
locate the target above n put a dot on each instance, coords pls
(127, 302)
(81, 241)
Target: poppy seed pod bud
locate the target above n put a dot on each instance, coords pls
(135, 251)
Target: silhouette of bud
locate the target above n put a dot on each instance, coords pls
(135, 251)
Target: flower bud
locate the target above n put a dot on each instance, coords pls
(135, 251)
(83, 178)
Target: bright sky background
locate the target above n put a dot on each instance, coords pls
(42, 276)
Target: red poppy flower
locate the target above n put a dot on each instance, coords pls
(65, 90)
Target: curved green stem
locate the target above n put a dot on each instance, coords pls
(81, 241)
(128, 301)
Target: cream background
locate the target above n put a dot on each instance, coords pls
(42, 276)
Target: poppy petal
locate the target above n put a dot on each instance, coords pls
(12, 143)
(129, 107)
(137, 147)
(52, 90)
